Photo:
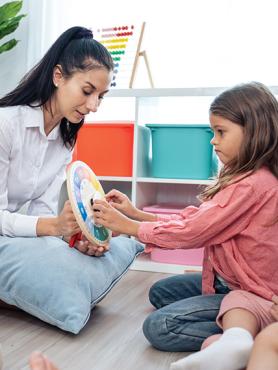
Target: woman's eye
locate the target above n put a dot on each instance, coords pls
(101, 97)
(86, 92)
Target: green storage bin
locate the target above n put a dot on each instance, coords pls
(182, 151)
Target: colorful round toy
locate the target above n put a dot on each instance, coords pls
(83, 188)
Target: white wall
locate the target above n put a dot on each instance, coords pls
(189, 42)
(13, 64)
(16, 62)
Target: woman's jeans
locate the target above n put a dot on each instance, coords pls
(184, 317)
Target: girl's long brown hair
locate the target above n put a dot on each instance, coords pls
(255, 108)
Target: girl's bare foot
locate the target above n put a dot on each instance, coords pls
(38, 361)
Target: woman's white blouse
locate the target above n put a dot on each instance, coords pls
(32, 168)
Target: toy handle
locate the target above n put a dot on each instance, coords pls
(74, 238)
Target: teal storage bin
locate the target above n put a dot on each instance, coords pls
(182, 151)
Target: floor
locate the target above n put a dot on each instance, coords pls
(112, 339)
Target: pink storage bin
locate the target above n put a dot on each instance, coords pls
(192, 257)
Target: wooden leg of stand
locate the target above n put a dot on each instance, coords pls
(144, 54)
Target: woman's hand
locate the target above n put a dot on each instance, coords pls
(108, 216)
(121, 202)
(66, 221)
(274, 308)
(87, 247)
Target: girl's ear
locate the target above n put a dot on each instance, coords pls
(57, 75)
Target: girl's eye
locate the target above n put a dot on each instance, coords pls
(220, 132)
(86, 92)
(101, 97)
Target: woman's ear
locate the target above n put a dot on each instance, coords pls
(57, 75)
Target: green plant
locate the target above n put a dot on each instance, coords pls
(9, 21)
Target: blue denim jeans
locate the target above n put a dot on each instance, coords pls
(184, 317)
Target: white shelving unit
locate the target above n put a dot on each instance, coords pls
(148, 106)
(144, 263)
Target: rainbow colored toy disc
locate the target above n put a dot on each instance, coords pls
(83, 186)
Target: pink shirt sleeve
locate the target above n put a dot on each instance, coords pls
(214, 222)
(164, 217)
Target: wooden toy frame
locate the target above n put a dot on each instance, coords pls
(83, 188)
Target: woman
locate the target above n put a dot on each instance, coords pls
(39, 122)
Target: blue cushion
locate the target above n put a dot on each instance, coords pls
(58, 284)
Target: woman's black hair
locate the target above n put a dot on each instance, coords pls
(74, 50)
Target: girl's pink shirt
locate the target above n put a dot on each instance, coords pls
(238, 230)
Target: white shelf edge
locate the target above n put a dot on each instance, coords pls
(115, 178)
(173, 181)
(144, 263)
(161, 92)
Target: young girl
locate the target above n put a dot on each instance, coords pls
(237, 223)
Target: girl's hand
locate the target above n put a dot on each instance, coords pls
(86, 247)
(108, 216)
(66, 222)
(121, 202)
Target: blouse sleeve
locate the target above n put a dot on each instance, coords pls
(11, 224)
(214, 222)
